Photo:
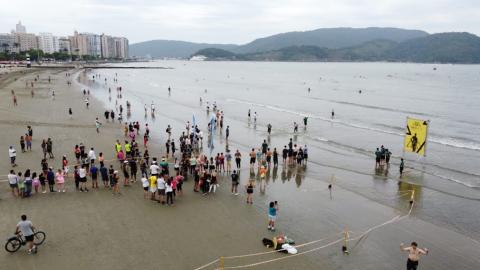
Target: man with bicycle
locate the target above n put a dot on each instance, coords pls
(26, 228)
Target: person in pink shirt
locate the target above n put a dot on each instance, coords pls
(60, 179)
(179, 181)
(121, 156)
(174, 186)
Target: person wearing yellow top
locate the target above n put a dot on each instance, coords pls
(118, 146)
(153, 186)
(128, 148)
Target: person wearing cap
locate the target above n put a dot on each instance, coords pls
(114, 183)
(126, 181)
(12, 153)
(154, 168)
(164, 166)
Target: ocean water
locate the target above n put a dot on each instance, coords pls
(447, 180)
(447, 95)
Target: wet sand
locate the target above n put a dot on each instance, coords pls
(98, 230)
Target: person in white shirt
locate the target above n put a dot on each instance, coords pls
(82, 173)
(13, 181)
(154, 168)
(145, 185)
(169, 190)
(161, 185)
(91, 155)
(12, 153)
(414, 253)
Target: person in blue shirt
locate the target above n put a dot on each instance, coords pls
(94, 175)
(104, 174)
(272, 215)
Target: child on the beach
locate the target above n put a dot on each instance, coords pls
(272, 215)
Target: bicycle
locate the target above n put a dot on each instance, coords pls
(15, 242)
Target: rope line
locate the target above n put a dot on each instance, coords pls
(393, 220)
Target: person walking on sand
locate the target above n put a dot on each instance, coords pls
(12, 153)
(15, 103)
(70, 113)
(414, 253)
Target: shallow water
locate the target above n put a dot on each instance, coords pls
(448, 96)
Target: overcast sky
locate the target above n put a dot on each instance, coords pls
(233, 21)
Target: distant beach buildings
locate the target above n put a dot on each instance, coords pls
(80, 44)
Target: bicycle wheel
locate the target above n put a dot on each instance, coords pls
(13, 245)
(38, 238)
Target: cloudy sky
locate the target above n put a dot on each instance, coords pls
(232, 21)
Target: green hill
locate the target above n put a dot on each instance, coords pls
(332, 38)
(436, 48)
(442, 48)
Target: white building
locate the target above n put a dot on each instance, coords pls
(20, 28)
(47, 42)
(121, 47)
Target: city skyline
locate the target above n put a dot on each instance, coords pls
(78, 44)
(235, 21)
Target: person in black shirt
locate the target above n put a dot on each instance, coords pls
(284, 154)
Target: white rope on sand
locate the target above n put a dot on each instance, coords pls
(393, 220)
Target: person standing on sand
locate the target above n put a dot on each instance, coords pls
(13, 181)
(114, 183)
(60, 181)
(249, 188)
(22, 144)
(97, 125)
(15, 103)
(50, 179)
(235, 182)
(238, 158)
(272, 215)
(28, 140)
(50, 148)
(413, 255)
(12, 153)
(402, 164)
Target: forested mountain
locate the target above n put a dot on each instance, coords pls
(436, 48)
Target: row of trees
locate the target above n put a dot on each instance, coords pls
(38, 55)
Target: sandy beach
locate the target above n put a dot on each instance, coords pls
(97, 230)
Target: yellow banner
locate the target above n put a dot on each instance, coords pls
(416, 136)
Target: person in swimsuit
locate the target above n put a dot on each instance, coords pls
(414, 253)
